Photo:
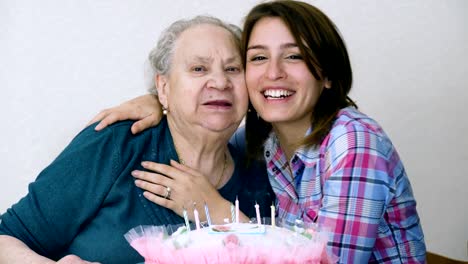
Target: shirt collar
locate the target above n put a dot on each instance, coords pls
(308, 155)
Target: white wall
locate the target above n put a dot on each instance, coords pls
(62, 61)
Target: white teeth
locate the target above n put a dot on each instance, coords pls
(277, 93)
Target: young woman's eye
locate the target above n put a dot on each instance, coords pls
(294, 57)
(258, 58)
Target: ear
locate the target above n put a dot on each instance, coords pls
(162, 84)
(327, 83)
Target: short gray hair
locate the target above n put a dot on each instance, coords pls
(160, 57)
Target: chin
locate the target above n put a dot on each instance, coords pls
(222, 126)
(272, 117)
(274, 120)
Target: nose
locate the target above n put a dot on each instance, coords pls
(274, 70)
(219, 80)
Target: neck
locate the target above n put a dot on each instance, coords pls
(289, 136)
(206, 153)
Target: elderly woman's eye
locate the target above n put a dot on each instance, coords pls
(233, 69)
(198, 69)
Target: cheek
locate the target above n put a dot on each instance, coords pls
(252, 93)
(238, 81)
(242, 94)
(252, 75)
(240, 89)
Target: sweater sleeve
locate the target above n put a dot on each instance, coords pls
(66, 194)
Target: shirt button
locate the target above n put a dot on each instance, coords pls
(267, 153)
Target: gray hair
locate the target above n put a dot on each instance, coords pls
(160, 56)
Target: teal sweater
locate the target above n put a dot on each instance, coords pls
(85, 201)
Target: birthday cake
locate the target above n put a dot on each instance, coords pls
(231, 243)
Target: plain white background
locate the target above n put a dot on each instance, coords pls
(63, 61)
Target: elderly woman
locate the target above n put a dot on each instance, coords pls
(81, 205)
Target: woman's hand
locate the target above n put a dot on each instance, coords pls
(187, 186)
(73, 259)
(146, 109)
(13, 250)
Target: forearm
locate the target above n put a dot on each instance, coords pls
(13, 250)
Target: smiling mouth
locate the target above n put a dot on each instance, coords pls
(277, 94)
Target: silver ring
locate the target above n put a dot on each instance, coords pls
(168, 193)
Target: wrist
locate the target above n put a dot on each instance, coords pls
(221, 210)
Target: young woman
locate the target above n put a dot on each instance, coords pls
(327, 162)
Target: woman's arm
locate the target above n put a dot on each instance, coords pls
(12, 251)
(145, 109)
(50, 216)
(356, 190)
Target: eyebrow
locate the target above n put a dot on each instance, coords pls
(208, 59)
(282, 46)
(200, 59)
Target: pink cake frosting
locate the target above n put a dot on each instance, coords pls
(230, 243)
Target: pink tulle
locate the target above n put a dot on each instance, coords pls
(156, 247)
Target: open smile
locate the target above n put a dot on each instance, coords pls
(275, 94)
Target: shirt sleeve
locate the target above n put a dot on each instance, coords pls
(65, 195)
(356, 188)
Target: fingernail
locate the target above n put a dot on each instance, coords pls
(135, 173)
(137, 183)
(144, 164)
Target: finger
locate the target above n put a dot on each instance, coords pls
(157, 189)
(146, 122)
(152, 177)
(164, 169)
(72, 259)
(98, 117)
(115, 114)
(159, 200)
(100, 126)
(110, 119)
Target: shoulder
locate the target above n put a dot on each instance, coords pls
(116, 143)
(120, 133)
(119, 129)
(351, 119)
(353, 130)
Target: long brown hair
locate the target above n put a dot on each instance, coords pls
(325, 55)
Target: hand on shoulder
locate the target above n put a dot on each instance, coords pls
(144, 109)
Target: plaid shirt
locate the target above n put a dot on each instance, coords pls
(353, 185)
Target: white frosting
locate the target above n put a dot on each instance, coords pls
(247, 234)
